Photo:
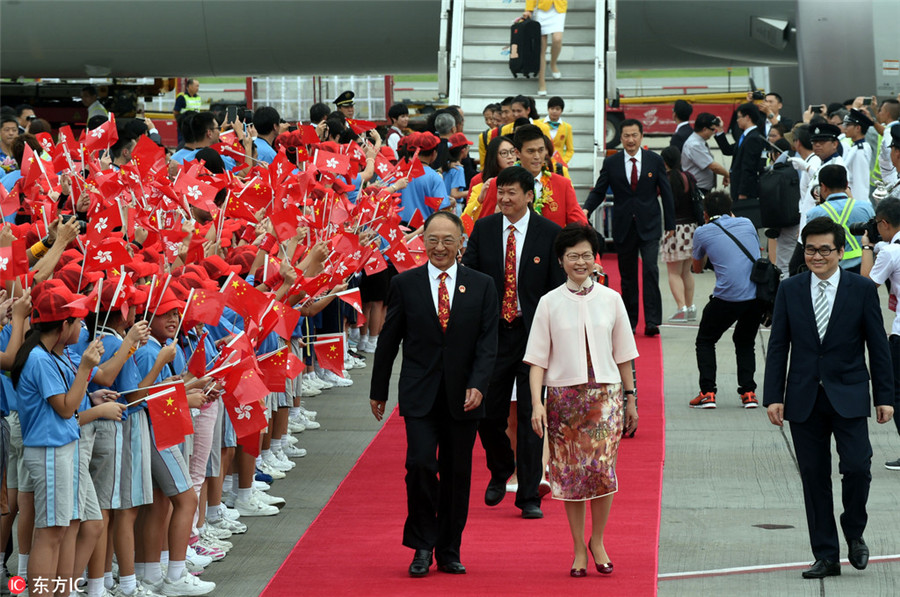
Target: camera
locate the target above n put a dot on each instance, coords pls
(869, 228)
(759, 95)
(82, 225)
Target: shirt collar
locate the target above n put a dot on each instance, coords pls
(521, 226)
(636, 156)
(681, 124)
(832, 280)
(434, 273)
(747, 130)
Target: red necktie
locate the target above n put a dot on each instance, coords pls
(509, 308)
(634, 176)
(443, 302)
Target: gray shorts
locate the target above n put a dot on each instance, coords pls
(87, 507)
(54, 473)
(136, 484)
(214, 464)
(169, 471)
(16, 474)
(106, 462)
(297, 388)
(229, 437)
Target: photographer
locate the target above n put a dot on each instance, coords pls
(881, 263)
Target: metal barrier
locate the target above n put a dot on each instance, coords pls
(293, 96)
(601, 219)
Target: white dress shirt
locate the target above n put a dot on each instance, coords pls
(519, 230)
(830, 290)
(434, 276)
(637, 157)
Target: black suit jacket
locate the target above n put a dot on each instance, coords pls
(539, 269)
(462, 357)
(747, 163)
(641, 205)
(681, 136)
(838, 361)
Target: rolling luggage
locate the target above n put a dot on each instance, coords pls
(525, 48)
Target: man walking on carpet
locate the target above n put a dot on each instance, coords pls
(446, 316)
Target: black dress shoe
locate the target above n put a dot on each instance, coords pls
(452, 568)
(495, 492)
(421, 563)
(651, 330)
(859, 553)
(823, 568)
(532, 512)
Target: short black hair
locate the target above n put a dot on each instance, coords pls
(195, 124)
(90, 90)
(556, 102)
(682, 110)
(523, 101)
(801, 135)
(18, 147)
(824, 225)
(265, 119)
(889, 209)
(571, 235)
(671, 156)
(124, 140)
(397, 110)
(212, 160)
(516, 175)
(749, 109)
(334, 126)
(632, 122)
(22, 107)
(704, 120)
(833, 176)
(8, 118)
(448, 215)
(95, 121)
(526, 133)
(779, 98)
(507, 101)
(318, 112)
(717, 203)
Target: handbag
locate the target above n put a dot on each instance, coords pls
(766, 275)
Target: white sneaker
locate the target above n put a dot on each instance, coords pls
(197, 558)
(354, 336)
(307, 422)
(139, 591)
(290, 439)
(307, 389)
(337, 380)
(279, 455)
(358, 363)
(309, 414)
(275, 473)
(151, 588)
(370, 346)
(293, 451)
(253, 507)
(232, 526)
(231, 513)
(195, 569)
(262, 486)
(187, 585)
(228, 499)
(320, 382)
(216, 532)
(296, 425)
(211, 540)
(203, 548)
(269, 500)
(272, 462)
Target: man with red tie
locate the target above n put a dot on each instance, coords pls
(637, 177)
(446, 317)
(515, 248)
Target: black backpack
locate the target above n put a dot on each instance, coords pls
(779, 197)
(767, 277)
(525, 48)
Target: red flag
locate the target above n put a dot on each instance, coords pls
(13, 260)
(417, 219)
(149, 157)
(468, 224)
(556, 157)
(433, 202)
(360, 126)
(375, 264)
(330, 354)
(401, 257)
(170, 415)
(247, 419)
(287, 320)
(102, 223)
(9, 202)
(199, 192)
(206, 307)
(383, 166)
(103, 136)
(245, 383)
(352, 298)
(46, 141)
(285, 222)
(196, 365)
(107, 255)
(332, 162)
(245, 300)
(278, 367)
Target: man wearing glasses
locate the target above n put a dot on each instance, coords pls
(733, 299)
(825, 319)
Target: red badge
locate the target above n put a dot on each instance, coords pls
(462, 289)
(649, 174)
(537, 259)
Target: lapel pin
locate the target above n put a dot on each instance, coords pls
(462, 289)
(649, 174)
(537, 259)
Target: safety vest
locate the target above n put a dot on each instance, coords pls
(855, 248)
(875, 173)
(192, 103)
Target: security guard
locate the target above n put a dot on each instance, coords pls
(841, 209)
(824, 139)
(858, 158)
(189, 101)
(344, 103)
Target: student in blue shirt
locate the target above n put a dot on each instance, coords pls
(430, 184)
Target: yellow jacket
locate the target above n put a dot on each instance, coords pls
(559, 5)
(473, 207)
(563, 141)
(508, 128)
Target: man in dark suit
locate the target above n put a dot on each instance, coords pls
(637, 177)
(515, 248)
(825, 319)
(682, 112)
(747, 162)
(446, 317)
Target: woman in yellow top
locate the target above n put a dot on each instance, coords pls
(500, 154)
(560, 132)
(551, 14)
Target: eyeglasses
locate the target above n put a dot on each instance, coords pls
(507, 153)
(576, 257)
(32, 117)
(880, 221)
(447, 241)
(823, 251)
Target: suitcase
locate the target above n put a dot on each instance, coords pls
(525, 48)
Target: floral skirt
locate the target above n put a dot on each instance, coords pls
(680, 246)
(584, 426)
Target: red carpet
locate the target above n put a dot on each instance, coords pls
(353, 547)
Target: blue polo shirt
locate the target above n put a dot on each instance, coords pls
(860, 212)
(129, 376)
(45, 375)
(413, 196)
(186, 155)
(730, 263)
(8, 398)
(455, 179)
(264, 152)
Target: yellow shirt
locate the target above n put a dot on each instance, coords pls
(563, 141)
(473, 207)
(559, 5)
(508, 128)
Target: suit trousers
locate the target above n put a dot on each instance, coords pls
(718, 315)
(438, 444)
(812, 445)
(526, 462)
(628, 252)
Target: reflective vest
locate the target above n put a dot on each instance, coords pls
(855, 248)
(192, 103)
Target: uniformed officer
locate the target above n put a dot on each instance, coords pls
(824, 138)
(858, 159)
(344, 103)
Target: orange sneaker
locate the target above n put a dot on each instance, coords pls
(748, 399)
(704, 400)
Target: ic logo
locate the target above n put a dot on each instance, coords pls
(17, 585)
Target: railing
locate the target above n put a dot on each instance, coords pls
(600, 61)
(457, 25)
(293, 96)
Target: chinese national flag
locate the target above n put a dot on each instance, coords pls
(206, 307)
(335, 163)
(468, 224)
(417, 219)
(360, 126)
(149, 157)
(410, 169)
(434, 202)
(245, 383)
(103, 136)
(285, 222)
(248, 420)
(196, 365)
(170, 415)
(9, 202)
(352, 298)
(245, 300)
(330, 353)
(278, 367)
(282, 320)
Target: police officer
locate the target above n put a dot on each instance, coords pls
(189, 101)
(824, 138)
(344, 103)
(858, 157)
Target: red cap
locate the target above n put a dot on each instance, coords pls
(69, 276)
(217, 267)
(458, 140)
(180, 290)
(169, 301)
(425, 141)
(51, 301)
(123, 301)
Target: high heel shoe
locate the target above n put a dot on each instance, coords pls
(578, 572)
(606, 568)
